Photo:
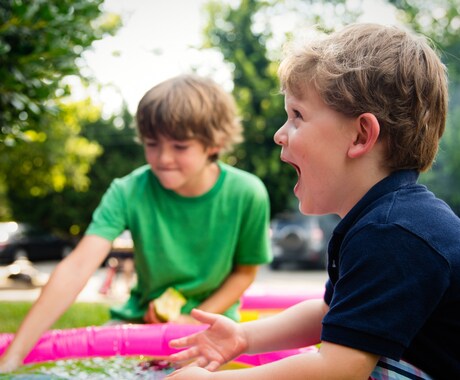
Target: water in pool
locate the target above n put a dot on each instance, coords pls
(98, 368)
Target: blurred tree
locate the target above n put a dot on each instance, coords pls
(40, 43)
(47, 164)
(41, 152)
(256, 93)
(70, 208)
(122, 153)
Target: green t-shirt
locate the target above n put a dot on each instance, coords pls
(188, 243)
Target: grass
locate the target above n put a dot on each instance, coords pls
(80, 314)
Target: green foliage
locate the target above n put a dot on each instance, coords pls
(55, 159)
(121, 154)
(69, 209)
(257, 95)
(41, 169)
(40, 42)
(80, 314)
(43, 155)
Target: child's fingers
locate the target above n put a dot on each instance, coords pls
(188, 354)
(213, 366)
(185, 341)
(203, 316)
(150, 315)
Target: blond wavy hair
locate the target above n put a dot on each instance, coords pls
(384, 70)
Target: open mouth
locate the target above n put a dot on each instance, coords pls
(297, 169)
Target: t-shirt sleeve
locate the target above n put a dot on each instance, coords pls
(390, 282)
(109, 218)
(253, 247)
(329, 291)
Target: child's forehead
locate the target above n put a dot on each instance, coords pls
(300, 97)
(168, 139)
(164, 138)
(167, 132)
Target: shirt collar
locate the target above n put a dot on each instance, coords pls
(387, 185)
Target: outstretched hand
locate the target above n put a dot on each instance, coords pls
(221, 342)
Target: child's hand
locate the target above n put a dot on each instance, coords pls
(150, 315)
(221, 342)
(185, 319)
(166, 308)
(9, 364)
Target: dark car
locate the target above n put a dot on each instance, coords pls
(123, 245)
(301, 240)
(21, 240)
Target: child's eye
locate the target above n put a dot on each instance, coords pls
(151, 143)
(181, 147)
(297, 114)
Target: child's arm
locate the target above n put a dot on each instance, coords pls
(63, 286)
(231, 290)
(330, 362)
(298, 326)
(225, 339)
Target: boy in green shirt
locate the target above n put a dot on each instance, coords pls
(199, 226)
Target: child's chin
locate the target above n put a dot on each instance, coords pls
(168, 183)
(304, 209)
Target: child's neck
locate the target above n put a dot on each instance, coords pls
(203, 183)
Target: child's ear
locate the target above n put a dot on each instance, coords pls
(212, 151)
(366, 136)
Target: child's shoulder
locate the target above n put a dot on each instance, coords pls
(240, 175)
(240, 182)
(138, 175)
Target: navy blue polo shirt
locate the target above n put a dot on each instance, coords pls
(394, 277)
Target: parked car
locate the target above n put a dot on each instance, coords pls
(301, 240)
(123, 245)
(22, 240)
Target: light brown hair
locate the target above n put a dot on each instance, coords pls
(190, 107)
(383, 70)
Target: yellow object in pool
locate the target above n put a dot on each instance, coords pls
(169, 304)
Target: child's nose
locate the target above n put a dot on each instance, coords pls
(280, 136)
(164, 155)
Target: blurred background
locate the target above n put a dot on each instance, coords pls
(73, 72)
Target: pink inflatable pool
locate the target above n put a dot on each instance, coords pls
(152, 340)
(262, 298)
(123, 340)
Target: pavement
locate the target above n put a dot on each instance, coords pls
(97, 289)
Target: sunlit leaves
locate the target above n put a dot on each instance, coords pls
(41, 152)
(40, 42)
(41, 162)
